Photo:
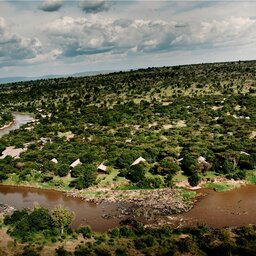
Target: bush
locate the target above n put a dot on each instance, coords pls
(29, 251)
(3, 176)
(62, 252)
(150, 183)
(16, 216)
(188, 164)
(63, 170)
(126, 231)
(169, 166)
(85, 231)
(194, 179)
(115, 232)
(136, 172)
(40, 219)
(86, 176)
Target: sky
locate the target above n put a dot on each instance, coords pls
(39, 38)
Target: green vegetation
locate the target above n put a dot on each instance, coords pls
(219, 187)
(184, 123)
(195, 118)
(39, 225)
(132, 238)
(5, 118)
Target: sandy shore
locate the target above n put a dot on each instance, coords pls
(7, 125)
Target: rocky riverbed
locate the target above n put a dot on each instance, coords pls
(6, 209)
(141, 204)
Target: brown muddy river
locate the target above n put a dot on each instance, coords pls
(226, 209)
(85, 213)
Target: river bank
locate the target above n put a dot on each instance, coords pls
(157, 206)
(145, 205)
(7, 125)
(175, 207)
(19, 119)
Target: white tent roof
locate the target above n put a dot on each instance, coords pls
(138, 160)
(102, 167)
(54, 160)
(75, 163)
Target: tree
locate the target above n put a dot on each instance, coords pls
(89, 157)
(78, 171)
(40, 219)
(63, 170)
(188, 164)
(194, 179)
(126, 158)
(228, 166)
(136, 172)
(62, 217)
(169, 166)
(86, 176)
(60, 251)
(86, 231)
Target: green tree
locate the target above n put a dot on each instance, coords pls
(62, 217)
(86, 176)
(85, 231)
(63, 170)
(169, 166)
(40, 219)
(136, 172)
(188, 164)
(78, 171)
(194, 179)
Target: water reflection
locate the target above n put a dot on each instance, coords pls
(85, 213)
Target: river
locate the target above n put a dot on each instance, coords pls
(216, 209)
(19, 120)
(224, 209)
(85, 213)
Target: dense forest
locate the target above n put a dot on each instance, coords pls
(195, 119)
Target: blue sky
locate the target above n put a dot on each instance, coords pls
(63, 37)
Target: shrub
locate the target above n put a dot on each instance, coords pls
(194, 179)
(63, 170)
(85, 231)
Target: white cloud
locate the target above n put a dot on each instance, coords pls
(83, 36)
(87, 36)
(15, 48)
(51, 5)
(227, 30)
(126, 33)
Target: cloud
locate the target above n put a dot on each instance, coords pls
(233, 29)
(82, 36)
(51, 5)
(90, 36)
(15, 48)
(95, 6)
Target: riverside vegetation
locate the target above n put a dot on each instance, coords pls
(5, 118)
(194, 122)
(38, 233)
